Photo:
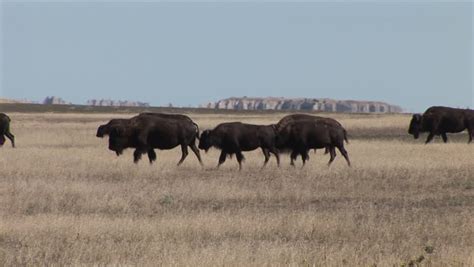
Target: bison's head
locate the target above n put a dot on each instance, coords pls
(415, 126)
(205, 141)
(102, 131)
(119, 139)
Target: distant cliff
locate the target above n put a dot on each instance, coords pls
(116, 103)
(15, 101)
(54, 100)
(304, 104)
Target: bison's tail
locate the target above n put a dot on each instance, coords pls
(197, 130)
(345, 136)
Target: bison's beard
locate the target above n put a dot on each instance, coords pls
(101, 131)
(118, 151)
(416, 135)
(205, 148)
(413, 131)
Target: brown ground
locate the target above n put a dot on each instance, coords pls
(66, 199)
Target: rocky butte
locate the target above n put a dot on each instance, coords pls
(304, 104)
(116, 103)
(54, 100)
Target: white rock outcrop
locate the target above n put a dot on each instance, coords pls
(116, 103)
(54, 100)
(304, 104)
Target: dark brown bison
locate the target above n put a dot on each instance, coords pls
(297, 117)
(235, 137)
(146, 132)
(302, 135)
(5, 130)
(442, 120)
(104, 129)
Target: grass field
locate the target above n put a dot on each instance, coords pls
(65, 199)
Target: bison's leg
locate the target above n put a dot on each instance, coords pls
(429, 138)
(332, 153)
(240, 158)
(293, 157)
(151, 155)
(222, 158)
(11, 137)
(445, 137)
(326, 150)
(470, 132)
(344, 153)
(184, 153)
(2, 139)
(304, 157)
(266, 154)
(137, 155)
(142, 146)
(196, 152)
(274, 151)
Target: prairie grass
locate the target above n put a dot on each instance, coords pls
(66, 200)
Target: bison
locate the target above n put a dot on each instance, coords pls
(151, 130)
(298, 117)
(442, 120)
(235, 137)
(5, 130)
(302, 135)
(104, 129)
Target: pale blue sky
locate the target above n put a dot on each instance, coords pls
(411, 54)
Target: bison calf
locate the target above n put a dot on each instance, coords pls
(235, 137)
(5, 130)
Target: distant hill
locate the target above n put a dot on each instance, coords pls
(304, 104)
(14, 101)
(116, 103)
(54, 100)
(49, 100)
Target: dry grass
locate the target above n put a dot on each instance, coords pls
(65, 199)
